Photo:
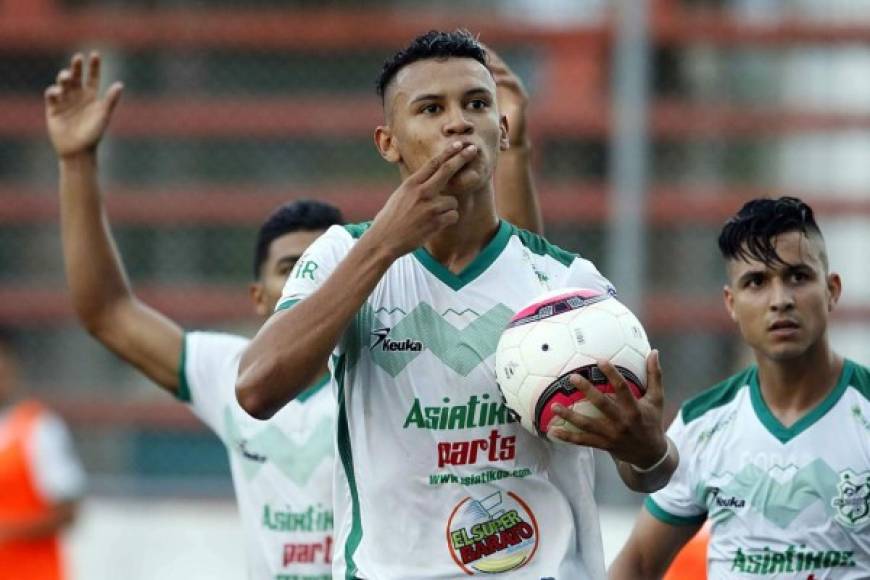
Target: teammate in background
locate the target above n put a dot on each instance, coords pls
(282, 470)
(436, 478)
(41, 483)
(777, 457)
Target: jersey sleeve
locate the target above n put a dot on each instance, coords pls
(677, 503)
(315, 265)
(58, 473)
(583, 274)
(207, 374)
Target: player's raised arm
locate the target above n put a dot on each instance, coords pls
(650, 549)
(77, 116)
(294, 345)
(516, 198)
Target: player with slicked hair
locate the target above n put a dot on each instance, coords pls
(777, 457)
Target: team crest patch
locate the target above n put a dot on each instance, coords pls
(495, 534)
(852, 502)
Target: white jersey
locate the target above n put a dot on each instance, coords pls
(436, 478)
(281, 468)
(784, 502)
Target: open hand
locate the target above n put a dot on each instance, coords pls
(75, 113)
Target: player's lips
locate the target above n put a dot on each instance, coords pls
(783, 328)
(783, 323)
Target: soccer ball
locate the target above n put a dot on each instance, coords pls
(561, 333)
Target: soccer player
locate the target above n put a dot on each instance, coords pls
(282, 470)
(777, 457)
(41, 482)
(436, 478)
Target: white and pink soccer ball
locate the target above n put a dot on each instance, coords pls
(561, 333)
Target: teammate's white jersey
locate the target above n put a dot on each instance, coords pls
(435, 478)
(281, 468)
(784, 502)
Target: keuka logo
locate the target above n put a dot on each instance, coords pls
(727, 502)
(382, 340)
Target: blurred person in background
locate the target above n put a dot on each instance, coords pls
(777, 457)
(690, 563)
(41, 482)
(409, 308)
(281, 469)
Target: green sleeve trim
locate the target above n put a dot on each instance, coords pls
(538, 245)
(668, 518)
(287, 304)
(182, 393)
(315, 388)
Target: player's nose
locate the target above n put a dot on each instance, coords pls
(457, 123)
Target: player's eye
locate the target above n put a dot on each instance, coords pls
(754, 281)
(798, 277)
(478, 104)
(431, 109)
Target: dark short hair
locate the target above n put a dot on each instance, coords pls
(750, 233)
(434, 44)
(302, 215)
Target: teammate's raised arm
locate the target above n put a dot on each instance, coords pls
(77, 116)
(516, 197)
(294, 345)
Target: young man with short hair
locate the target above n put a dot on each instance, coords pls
(777, 457)
(436, 478)
(282, 470)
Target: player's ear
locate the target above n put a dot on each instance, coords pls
(728, 298)
(386, 144)
(503, 139)
(835, 289)
(256, 290)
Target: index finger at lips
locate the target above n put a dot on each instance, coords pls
(431, 166)
(450, 168)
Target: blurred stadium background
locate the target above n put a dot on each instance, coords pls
(651, 122)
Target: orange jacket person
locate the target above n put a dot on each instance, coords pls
(691, 561)
(40, 483)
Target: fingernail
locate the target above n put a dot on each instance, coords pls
(558, 408)
(457, 145)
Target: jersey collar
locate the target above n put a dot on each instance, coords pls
(780, 431)
(477, 267)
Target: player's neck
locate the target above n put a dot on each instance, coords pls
(794, 387)
(457, 246)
